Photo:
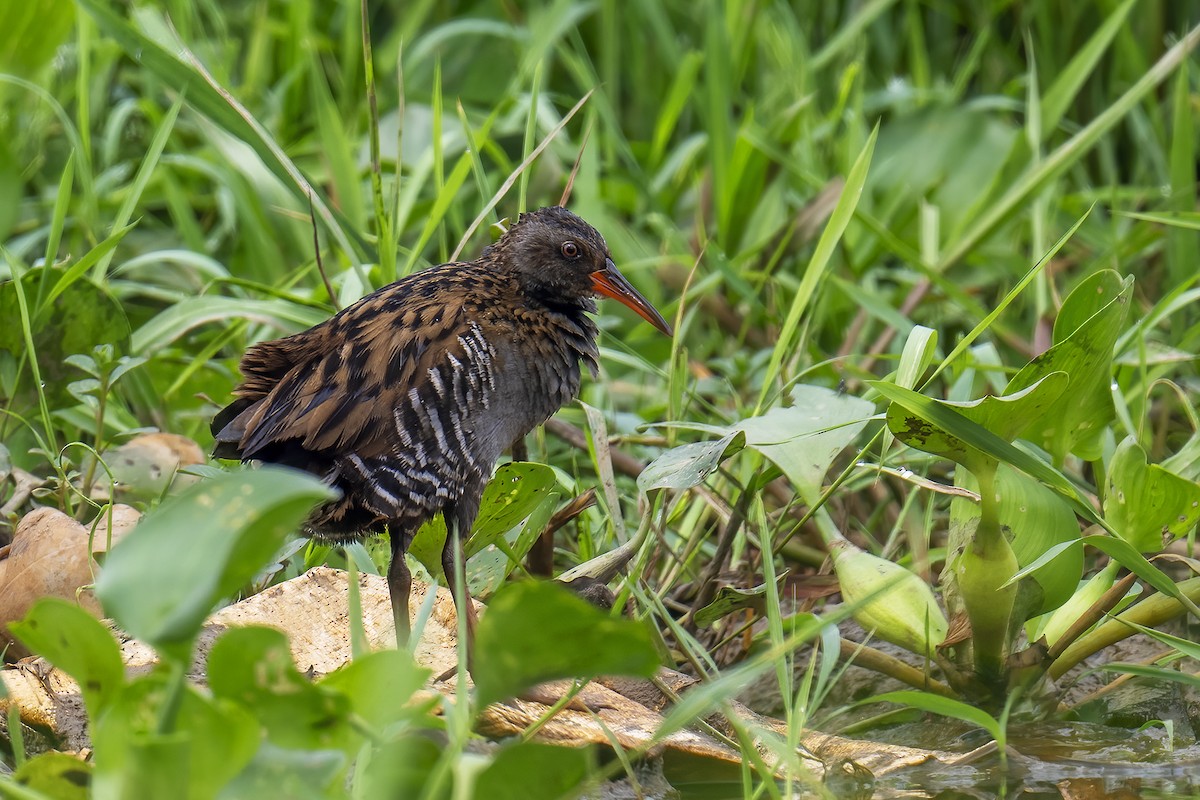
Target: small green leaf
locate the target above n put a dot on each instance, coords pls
(804, 438)
(402, 767)
(53, 775)
(253, 668)
(560, 772)
(164, 578)
(728, 600)
(1145, 503)
(212, 741)
(689, 465)
(512, 494)
(1085, 333)
(535, 632)
(379, 685)
(78, 644)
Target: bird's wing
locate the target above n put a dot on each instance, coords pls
(370, 377)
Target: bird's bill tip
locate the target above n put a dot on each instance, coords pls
(611, 283)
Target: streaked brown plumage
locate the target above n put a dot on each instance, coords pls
(404, 400)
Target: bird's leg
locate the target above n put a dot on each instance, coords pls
(455, 569)
(399, 585)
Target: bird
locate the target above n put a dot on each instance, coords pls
(404, 400)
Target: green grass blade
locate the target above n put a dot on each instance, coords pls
(815, 271)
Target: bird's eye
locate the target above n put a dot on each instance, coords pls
(570, 250)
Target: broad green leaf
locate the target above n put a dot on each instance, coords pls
(1038, 520)
(535, 632)
(689, 465)
(401, 768)
(804, 438)
(210, 742)
(943, 426)
(52, 775)
(78, 644)
(200, 546)
(1003, 417)
(489, 568)
(1085, 333)
(560, 772)
(252, 667)
(380, 686)
(1146, 504)
(288, 772)
(512, 494)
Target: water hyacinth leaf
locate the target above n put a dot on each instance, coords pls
(535, 632)
(489, 567)
(211, 741)
(1039, 521)
(689, 465)
(804, 438)
(1085, 333)
(921, 421)
(559, 770)
(947, 436)
(78, 644)
(200, 546)
(378, 685)
(253, 668)
(401, 767)
(1147, 505)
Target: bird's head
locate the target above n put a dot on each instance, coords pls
(562, 260)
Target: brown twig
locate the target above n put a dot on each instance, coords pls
(540, 560)
(317, 251)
